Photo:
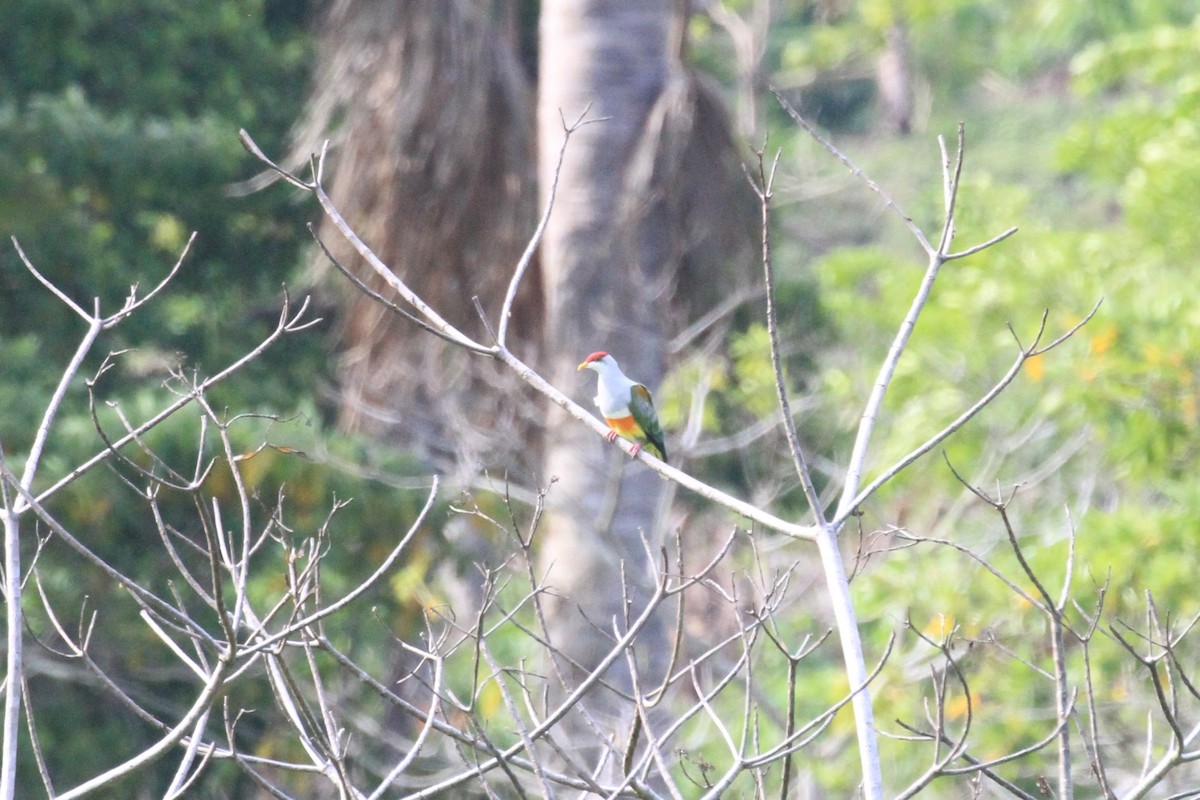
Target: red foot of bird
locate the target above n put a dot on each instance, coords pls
(612, 436)
(637, 448)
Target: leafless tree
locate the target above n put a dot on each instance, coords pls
(487, 722)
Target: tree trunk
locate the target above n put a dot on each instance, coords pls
(894, 78)
(606, 262)
(430, 115)
(651, 209)
(434, 166)
(432, 161)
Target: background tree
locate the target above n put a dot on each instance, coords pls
(430, 110)
(115, 122)
(649, 204)
(439, 108)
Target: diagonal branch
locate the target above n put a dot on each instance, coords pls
(535, 240)
(380, 269)
(44, 281)
(762, 188)
(913, 228)
(887, 370)
(379, 298)
(1024, 355)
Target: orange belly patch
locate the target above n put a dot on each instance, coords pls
(626, 426)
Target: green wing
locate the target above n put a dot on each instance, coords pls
(642, 408)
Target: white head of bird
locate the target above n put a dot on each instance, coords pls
(625, 405)
(613, 388)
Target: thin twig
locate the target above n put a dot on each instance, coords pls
(913, 228)
(514, 283)
(369, 292)
(848, 508)
(763, 188)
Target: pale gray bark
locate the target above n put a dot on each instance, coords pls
(605, 258)
(651, 209)
(894, 78)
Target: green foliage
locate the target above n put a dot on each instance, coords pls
(120, 134)
(1159, 55)
(1108, 425)
(155, 57)
(826, 51)
(118, 121)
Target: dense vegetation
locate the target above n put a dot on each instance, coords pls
(118, 126)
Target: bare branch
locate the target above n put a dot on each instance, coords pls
(533, 379)
(44, 281)
(527, 256)
(849, 507)
(763, 187)
(913, 228)
(254, 150)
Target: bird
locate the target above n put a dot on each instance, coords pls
(625, 405)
